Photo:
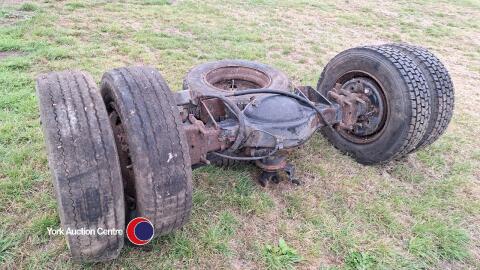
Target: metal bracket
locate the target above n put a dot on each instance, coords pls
(273, 168)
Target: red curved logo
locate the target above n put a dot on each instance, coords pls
(140, 231)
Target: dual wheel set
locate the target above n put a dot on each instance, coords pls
(121, 150)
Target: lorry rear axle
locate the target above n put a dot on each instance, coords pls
(127, 148)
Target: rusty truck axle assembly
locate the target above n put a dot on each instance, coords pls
(127, 148)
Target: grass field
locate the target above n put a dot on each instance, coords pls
(422, 212)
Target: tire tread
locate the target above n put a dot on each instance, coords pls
(440, 86)
(419, 93)
(161, 132)
(76, 170)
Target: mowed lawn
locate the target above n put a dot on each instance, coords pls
(421, 212)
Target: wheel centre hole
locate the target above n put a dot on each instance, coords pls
(235, 78)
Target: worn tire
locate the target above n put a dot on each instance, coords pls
(441, 90)
(157, 144)
(195, 78)
(83, 161)
(406, 93)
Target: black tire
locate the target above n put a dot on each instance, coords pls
(157, 144)
(196, 78)
(84, 164)
(441, 90)
(406, 97)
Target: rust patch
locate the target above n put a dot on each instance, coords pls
(202, 140)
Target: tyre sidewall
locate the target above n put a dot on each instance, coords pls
(396, 91)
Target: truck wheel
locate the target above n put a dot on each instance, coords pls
(397, 89)
(231, 75)
(154, 152)
(83, 160)
(441, 90)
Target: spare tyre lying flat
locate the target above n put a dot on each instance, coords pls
(397, 89)
(84, 164)
(147, 127)
(231, 75)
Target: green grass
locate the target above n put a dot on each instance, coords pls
(280, 256)
(71, 6)
(435, 241)
(6, 244)
(28, 7)
(156, 2)
(359, 261)
(417, 213)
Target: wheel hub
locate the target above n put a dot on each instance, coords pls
(367, 89)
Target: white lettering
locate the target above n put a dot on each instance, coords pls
(58, 231)
(102, 231)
